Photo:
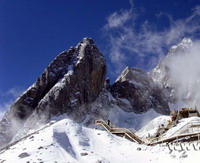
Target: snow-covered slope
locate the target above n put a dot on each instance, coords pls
(152, 127)
(184, 126)
(67, 141)
(124, 119)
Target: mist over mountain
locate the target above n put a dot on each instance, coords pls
(178, 74)
(75, 84)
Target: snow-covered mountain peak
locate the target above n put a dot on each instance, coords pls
(185, 44)
(130, 74)
(160, 73)
(87, 40)
(84, 42)
(178, 74)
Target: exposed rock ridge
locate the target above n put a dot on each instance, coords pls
(136, 92)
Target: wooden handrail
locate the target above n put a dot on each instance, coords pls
(174, 138)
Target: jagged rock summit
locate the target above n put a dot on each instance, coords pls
(140, 92)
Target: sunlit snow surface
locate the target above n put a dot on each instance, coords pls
(120, 118)
(67, 141)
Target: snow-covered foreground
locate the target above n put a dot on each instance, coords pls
(66, 141)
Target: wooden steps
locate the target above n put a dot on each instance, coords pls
(133, 137)
(120, 131)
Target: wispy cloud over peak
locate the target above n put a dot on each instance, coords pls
(142, 43)
(118, 19)
(14, 92)
(7, 98)
(4, 107)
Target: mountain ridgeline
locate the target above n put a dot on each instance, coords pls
(74, 84)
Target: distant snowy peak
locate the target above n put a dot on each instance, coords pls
(136, 76)
(185, 44)
(131, 74)
(178, 62)
(160, 74)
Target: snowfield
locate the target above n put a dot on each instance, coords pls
(66, 141)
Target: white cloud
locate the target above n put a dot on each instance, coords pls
(3, 108)
(14, 92)
(144, 45)
(118, 19)
(1, 114)
(8, 98)
(185, 74)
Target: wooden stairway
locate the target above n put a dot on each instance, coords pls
(133, 137)
(120, 131)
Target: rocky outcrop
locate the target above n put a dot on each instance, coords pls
(74, 78)
(136, 92)
(79, 86)
(129, 101)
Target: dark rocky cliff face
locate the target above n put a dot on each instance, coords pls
(74, 78)
(136, 92)
(79, 86)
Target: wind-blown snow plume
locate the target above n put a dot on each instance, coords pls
(184, 71)
(8, 97)
(141, 44)
(4, 107)
(1, 114)
(14, 92)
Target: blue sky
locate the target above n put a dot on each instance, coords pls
(135, 33)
